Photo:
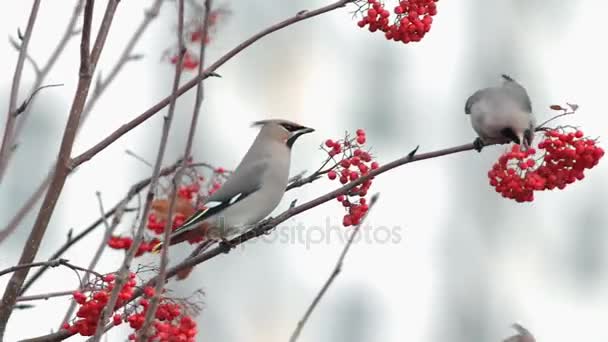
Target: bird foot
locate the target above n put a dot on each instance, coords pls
(478, 144)
(227, 245)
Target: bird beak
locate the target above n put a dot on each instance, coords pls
(306, 130)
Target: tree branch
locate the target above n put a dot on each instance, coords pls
(122, 274)
(164, 262)
(51, 263)
(102, 246)
(7, 139)
(302, 15)
(333, 275)
(63, 166)
(100, 87)
(44, 71)
(146, 331)
(268, 225)
(45, 296)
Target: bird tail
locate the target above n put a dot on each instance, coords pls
(192, 223)
(156, 249)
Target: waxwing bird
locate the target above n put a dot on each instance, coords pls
(252, 191)
(501, 114)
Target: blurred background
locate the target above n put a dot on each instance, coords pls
(444, 257)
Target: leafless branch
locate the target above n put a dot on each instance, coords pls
(50, 63)
(164, 261)
(138, 157)
(63, 166)
(25, 103)
(44, 296)
(51, 263)
(28, 58)
(102, 246)
(124, 269)
(268, 225)
(337, 269)
(7, 139)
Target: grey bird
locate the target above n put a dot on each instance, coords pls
(502, 114)
(252, 191)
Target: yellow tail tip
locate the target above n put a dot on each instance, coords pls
(156, 249)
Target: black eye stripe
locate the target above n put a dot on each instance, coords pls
(291, 128)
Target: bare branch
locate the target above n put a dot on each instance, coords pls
(45, 296)
(51, 263)
(25, 103)
(29, 58)
(44, 71)
(121, 277)
(7, 139)
(63, 166)
(90, 153)
(333, 275)
(138, 157)
(102, 246)
(164, 261)
(268, 225)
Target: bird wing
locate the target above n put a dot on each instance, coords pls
(244, 181)
(518, 93)
(472, 100)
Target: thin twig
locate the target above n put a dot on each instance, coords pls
(25, 103)
(51, 263)
(45, 296)
(337, 269)
(7, 139)
(122, 274)
(542, 125)
(146, 331)
(50, 63)
(164, 261)
(63, 165)
(138, 157)
(102, 246)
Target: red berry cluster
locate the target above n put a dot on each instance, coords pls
(91, 306)
(511, 177)
(171, 323)
(354, 162)
(517, 174)
(413, 19)
(194, 36)
(568, 155)
(190, 61)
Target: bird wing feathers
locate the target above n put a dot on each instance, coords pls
(244, 181)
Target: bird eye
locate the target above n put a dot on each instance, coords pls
(290, 127)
